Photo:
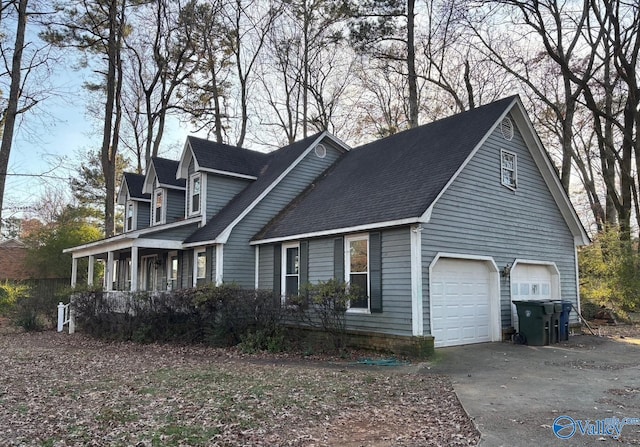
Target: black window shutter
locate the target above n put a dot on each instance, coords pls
(303, 264)
(189, 255)
(277, 269)
(338, 258)
(375, 271)
(210, 273)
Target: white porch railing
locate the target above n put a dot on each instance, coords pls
(65, 316)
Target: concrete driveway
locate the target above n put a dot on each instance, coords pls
(514, 393)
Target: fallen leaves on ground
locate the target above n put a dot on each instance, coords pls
(61, 390)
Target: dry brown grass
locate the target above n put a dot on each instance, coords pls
(61, 390)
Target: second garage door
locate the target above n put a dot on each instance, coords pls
(460, 302)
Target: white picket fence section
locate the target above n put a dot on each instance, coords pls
(65, 316)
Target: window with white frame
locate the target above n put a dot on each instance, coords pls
(200, 266)
(130, 216)
(158, 207)
(290, 270)
(195, 194)
(509, 171)
(173, 272)
(357, 270)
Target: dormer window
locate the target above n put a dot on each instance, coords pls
(194, 194)
(509, 169)
(129, 223)
(158, 207)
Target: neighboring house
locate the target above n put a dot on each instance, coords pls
(441, 227)
(13, 256)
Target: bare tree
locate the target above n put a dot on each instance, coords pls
(160, 53)
(97, 27)
(19, 68)
(207, 89)
(386, 30)
(249, 23)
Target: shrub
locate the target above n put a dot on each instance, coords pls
(610, 272)
(220, 316)
(31, 305)
(10, 295)
(323, 305)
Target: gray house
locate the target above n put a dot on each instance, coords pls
(441, 227)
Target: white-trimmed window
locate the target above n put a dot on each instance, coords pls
(290, 270)
(199, 266)
(159, 208)
(357, 270)
(195, 187)
(130, 217)
(509, 169)
(172, 283)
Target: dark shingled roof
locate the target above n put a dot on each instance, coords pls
(275, 164)
(391, 179)
(222, 157)
(166, 171)
(134, 186)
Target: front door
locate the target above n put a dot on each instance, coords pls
(149, 272)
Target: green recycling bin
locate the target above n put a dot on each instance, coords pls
(534, 320)
(554, 323)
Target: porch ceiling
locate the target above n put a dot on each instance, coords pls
(101, 248)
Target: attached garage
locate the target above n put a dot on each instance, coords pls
(533, 281)
(464, 301)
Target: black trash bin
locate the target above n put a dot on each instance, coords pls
(564, 320)
(555, 324)
(534, 320)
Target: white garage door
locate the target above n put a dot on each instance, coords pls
(460, 307)
(529, 282)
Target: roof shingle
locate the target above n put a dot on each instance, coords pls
(274, 164)
(135, 182)
(222, 157)
(166, 171)
(388, 180)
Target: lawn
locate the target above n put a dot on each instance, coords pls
(62, 390)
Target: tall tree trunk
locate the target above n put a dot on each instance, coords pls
(11, 112)
(109, 147)
(305, 67)
(411, 65)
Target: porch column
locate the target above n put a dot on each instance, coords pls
(133, 274)
(92, 261)
(219, 263)
(416, 281)
(108, 272)
(74, 271)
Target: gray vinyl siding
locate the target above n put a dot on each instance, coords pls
(143, 215)
(211, 264)
(479, 216)
(265, 278)
(239, 256)
(320, 260)
(162, 272)
(175, 205)
(220, 190)
(395, 318)
(185, 267)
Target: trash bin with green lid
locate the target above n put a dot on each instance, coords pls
(564, 321)
(534, 319)
(554, 323)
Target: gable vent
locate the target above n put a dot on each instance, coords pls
(321, 151)
(506, 128)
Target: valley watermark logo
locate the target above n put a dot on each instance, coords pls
(565, 427)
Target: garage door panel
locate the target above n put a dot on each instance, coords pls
(460, 302)
(529, 282)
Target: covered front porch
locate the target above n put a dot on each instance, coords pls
(132, 264)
